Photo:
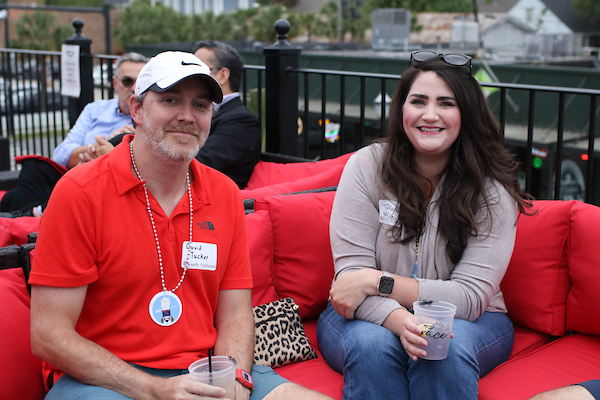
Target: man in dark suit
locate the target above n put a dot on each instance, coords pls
(234, 143)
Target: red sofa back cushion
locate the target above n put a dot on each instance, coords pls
(5, 237)
(328, 178)
(21, 371)
(260, 244)
(302, 261)
(537, 281)
(271, 173)
(584, 297)
(15, 230)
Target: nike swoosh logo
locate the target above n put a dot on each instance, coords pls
(186, 63)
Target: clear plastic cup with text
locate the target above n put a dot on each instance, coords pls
(435, 319)
(219, 372)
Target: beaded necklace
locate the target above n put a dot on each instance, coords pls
(165, 297)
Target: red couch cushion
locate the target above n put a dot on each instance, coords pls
(584, 297)
(271, 173)
(570, 359)
(314, 374)
(302, 261)
(527, 340)
(260, 245)
(20, 370)
(5, 237)
(328, 178)
(537, 281)
(19, 228)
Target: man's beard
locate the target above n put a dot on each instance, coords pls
(157, 138)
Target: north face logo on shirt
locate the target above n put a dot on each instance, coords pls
(206, 225)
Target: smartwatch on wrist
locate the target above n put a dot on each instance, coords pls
(386, 284)
(245, 379)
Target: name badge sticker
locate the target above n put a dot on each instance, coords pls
(388, 212)
(198, 255)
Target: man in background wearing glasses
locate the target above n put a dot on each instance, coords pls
(233, 145)
(102, 118)
(99, 128)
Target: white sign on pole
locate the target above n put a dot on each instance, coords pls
(71, 84)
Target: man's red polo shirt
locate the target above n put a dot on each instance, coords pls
(96, 231)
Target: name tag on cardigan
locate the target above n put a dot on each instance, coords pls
(199, 256)
(388, 212)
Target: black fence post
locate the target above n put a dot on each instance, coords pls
(106, 14)
(281, 93)
(4, 153)
(76, 105)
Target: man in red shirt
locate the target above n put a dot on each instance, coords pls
(141, 263)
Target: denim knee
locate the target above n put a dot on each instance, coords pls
(371, 358)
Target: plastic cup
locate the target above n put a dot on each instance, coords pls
(222, 375)
(435, 318)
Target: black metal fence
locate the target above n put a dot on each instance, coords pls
(302, 116)
(32, 108)
(35, 117)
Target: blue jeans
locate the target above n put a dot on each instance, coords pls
(375, 364)
(265, 380)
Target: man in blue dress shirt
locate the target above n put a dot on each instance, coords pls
(103, 118)
(88, 139)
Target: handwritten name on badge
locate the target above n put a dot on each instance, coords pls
(388, 212)
(199, 256)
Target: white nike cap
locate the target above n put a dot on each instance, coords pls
(168, 68)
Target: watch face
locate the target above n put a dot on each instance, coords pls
(386, 284)
(244, 378)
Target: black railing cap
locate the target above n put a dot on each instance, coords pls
(78, 36)
(282, 27)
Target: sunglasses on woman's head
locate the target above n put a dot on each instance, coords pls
(457, 60)
(126, 81)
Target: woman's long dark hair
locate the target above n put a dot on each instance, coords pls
(476, 156)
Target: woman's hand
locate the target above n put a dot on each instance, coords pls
(410, 337)
(351, 289)
(402, 323)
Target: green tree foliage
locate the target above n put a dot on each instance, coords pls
(327, 27)
(61, 34)
(422, 5)
(142, 23)
(210, 26)
(588, 8)
(284, 3)
(231, 26)
(356, 24)
(308, 22)
(261, 28)
(76, 3)
(36, 31)
(241, 23)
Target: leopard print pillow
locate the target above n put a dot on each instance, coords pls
(280, 336)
